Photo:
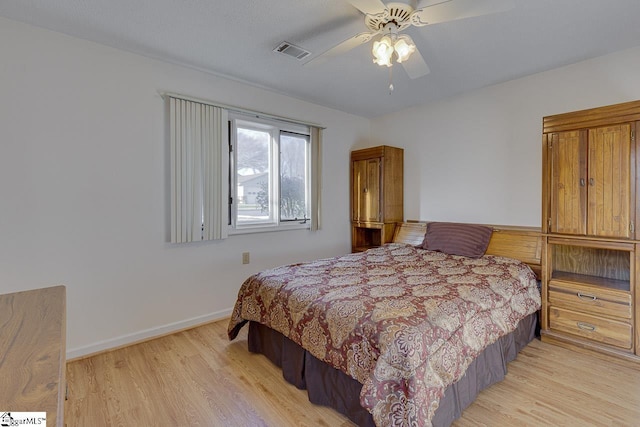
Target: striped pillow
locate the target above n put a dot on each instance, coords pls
(469, 240)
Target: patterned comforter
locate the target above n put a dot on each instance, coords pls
(405, 322)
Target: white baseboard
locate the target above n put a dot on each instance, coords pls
(145, 335)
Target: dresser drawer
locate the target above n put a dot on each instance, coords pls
(592, 300)
(595, 328)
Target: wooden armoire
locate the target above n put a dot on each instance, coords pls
(591, 260)
(377, 195)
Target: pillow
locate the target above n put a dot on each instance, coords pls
(468, 240)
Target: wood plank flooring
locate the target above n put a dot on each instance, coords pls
(199, 378)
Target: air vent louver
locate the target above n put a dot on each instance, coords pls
(292, 50)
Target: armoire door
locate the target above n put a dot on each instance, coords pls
(609, 189)
(568, 183)
(366, 190)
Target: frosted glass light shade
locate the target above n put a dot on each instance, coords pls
(382, 51)
(404, 47)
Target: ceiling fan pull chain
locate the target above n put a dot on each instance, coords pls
(390, 79)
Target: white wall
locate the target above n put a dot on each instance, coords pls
(83, 172)
(477, 157)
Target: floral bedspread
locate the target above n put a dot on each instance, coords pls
(403, 321)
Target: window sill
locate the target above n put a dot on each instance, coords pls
(269, 228)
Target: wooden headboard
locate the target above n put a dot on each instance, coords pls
(522, 243)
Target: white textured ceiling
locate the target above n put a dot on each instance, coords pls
(236, 38)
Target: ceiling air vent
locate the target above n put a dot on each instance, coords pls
(292, 50)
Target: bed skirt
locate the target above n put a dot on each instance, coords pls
(328, 386)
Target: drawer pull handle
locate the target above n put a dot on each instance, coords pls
(586, 297)
(586, 326)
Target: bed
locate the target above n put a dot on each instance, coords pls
(398, 335)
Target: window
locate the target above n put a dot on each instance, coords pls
(233, 170)
(270, 179)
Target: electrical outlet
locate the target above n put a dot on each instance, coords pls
(245, 257)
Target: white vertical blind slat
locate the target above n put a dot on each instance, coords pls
(184, 180)
(206, 172)
(185, 162)
(173, 166)
(221, 157)
(209, 178)
(316, 177)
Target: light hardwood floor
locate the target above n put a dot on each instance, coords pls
(199, 378)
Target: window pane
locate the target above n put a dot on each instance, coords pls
(293, 177)
(253, 176)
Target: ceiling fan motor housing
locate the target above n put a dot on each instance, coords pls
(397, 13)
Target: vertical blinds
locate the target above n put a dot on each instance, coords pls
(199, 170)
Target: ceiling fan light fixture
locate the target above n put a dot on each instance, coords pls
(383, 51)
(404, 47)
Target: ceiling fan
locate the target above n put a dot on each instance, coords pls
(389, 20)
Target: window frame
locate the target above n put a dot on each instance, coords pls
(276, 129)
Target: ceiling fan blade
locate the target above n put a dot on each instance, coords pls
(458, 9)
(428, 3)
(415, 66)
(368, 6)
(343, 47)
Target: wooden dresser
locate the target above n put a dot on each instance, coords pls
(377, 195)
(591, 168)
(33, 352)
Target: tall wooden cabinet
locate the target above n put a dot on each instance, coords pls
(377, 195)
(590, 181)
(591, 261)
